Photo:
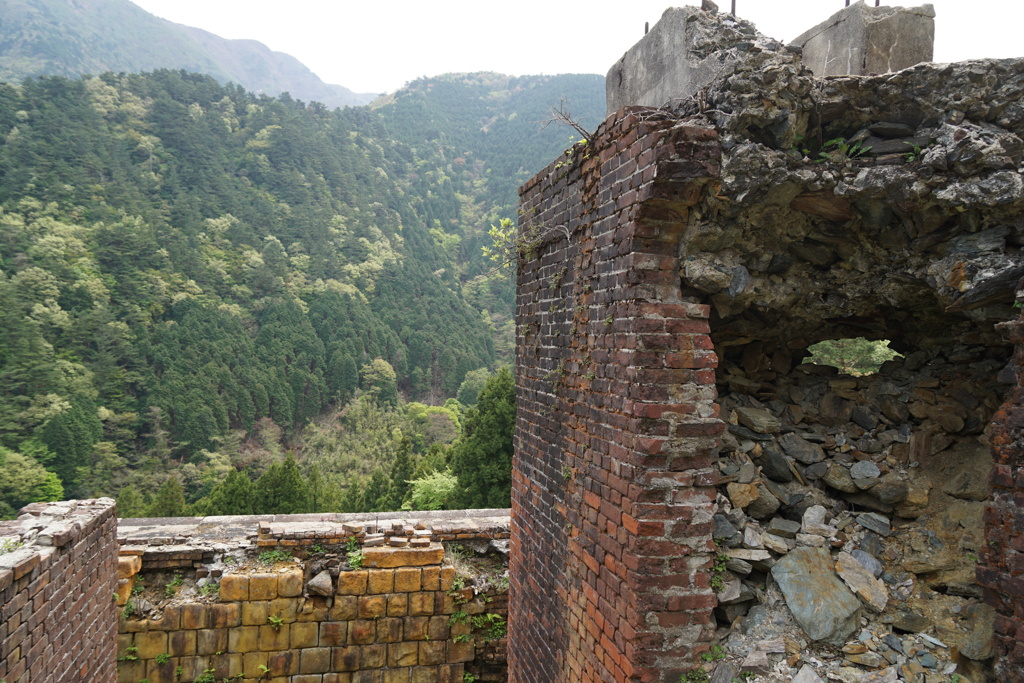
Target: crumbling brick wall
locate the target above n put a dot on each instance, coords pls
(58, 621)
(1001, 562)
(617, 423)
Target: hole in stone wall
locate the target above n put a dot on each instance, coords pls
(891, 447)
(853, 356)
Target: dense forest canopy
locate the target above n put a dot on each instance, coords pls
(196, 281)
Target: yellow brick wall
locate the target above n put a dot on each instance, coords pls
(387, 622)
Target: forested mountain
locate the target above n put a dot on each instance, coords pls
(196, 282)
(74, 37)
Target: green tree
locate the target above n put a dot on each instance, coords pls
(472, 385)
(482, 458)
(432, 491)
(282, 490)
(378, 379)
(169, 500)
(130, 503)
(24, 481)
(234, 495)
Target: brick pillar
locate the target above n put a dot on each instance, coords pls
(1001, 567)
(613, 476)
(58, 618)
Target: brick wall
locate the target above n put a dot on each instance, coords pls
(617, 423)
(58, 619)
(1001, 561)
(400, 618)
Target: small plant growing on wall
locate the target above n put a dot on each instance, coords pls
(172, 586)
(354, 554)
(275, 621)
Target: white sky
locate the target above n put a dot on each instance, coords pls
(371, 47)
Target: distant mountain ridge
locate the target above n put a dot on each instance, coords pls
(74, 37)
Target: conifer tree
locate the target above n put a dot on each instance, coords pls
(482, 458)
(169, 501)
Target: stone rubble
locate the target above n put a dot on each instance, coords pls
(872, 528)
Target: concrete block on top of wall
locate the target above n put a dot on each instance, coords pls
(860, 40)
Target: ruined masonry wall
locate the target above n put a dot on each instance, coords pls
(1001, 561)
(394, 620)
(617, 423)
(58, 620)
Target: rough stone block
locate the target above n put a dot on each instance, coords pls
(255, 613)
(128, 566)
(362, 632)
(352, 583)
(226, 615)
(432, 652)
(344, 608)
(345, 658)
(403, 654)
(372, 606)
(289, 583)
(243, 639)
(381, 581)
(181, 643)
(262, 586)
(274, 637)
(415, 628)
(211, 641)
(421, 604)
(150, 644)
(285, 608)
(234, 587)
(314, 660)
(195, 616)
(398, 604)
(461, 652)
(305, 635)
(283, 663)
(333, 633)
(447, 578)
(374, 656)
(431, 578)
(408, 580)
(251, 663)
(389, 630)
(403, 557)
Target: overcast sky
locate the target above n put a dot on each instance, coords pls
(378, 46)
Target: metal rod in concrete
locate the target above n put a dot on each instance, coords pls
(734, 8)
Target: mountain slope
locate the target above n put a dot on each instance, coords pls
(73, 37)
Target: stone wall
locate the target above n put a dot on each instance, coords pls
(612, 476)
(282, 599)
(57, 617)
